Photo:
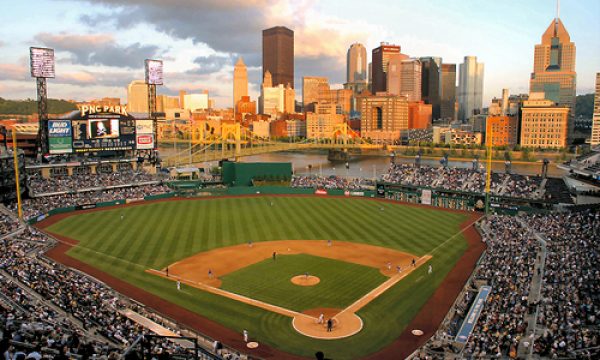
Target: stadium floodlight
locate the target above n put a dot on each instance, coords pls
(41, 61)
(154, 72)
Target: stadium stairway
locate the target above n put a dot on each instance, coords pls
(535, 294)
(541, 191)
(89, 333)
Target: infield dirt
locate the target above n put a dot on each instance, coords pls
(223, 261)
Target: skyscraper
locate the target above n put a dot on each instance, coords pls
(448, 95)
(431, 83)
(240, 82)
(393, 75)
(410, 85)
(379, 67)
(554, 69)
(314, 89)
(404, 77)
(137, 96)
(470, 88)
(596, 117)
(278, 55)
(356, 64)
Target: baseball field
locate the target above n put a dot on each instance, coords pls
(272, 264)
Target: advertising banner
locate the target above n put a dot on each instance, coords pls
(426, 197)
(59, 137)
(85, 206)
(144, 141)
(144, 134)
(143, 127)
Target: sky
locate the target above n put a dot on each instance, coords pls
(100, 45)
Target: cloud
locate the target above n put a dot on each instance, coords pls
(98, 49)
(210, 64)
(228, 26)
(235, 28)
(14, 72)
(93, 78)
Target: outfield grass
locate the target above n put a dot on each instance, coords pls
(154, 235)
(341, 284)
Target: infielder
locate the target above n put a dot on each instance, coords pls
(245, 335)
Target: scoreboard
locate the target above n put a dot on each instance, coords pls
(94, 131)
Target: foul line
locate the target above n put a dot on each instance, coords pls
(455, 235)
(234, 296)
(383, 287)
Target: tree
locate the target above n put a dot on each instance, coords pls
(584, 105)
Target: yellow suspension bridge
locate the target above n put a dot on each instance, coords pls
(235, 141)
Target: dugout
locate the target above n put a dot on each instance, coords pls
(241, 174)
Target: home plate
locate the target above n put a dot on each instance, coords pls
(417, 332)
(252, 345)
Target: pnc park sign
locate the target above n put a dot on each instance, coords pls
(99, 109)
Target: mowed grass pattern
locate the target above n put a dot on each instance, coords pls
(341, 283)
(157, 234)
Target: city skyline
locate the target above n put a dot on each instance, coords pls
(107, 50)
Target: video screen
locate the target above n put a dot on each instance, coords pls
(103, 129)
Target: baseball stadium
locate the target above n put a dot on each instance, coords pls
(257, 262)
(382, 220)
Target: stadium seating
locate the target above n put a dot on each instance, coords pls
(545, 279)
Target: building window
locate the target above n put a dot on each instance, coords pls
(379, 117)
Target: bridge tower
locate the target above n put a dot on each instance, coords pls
(231, 131)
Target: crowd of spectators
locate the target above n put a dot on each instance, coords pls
(7, 224)
(38, 185)
(508, 267)
(332, 182)
(569, 311)
(462, 179)
(34, 207)
(568, 274)
(71, 314)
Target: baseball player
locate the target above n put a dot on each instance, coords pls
(398, 269)
(178, 285)
(245, 335)
(210, 274)
(329, 325)
(321, 319)
(430, 270)
(389, 265)
(413, 263)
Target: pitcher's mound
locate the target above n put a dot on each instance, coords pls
(304, 280)
(344, 324)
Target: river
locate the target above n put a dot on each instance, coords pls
(315, 162)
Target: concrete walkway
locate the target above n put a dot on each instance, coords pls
(526, 345)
